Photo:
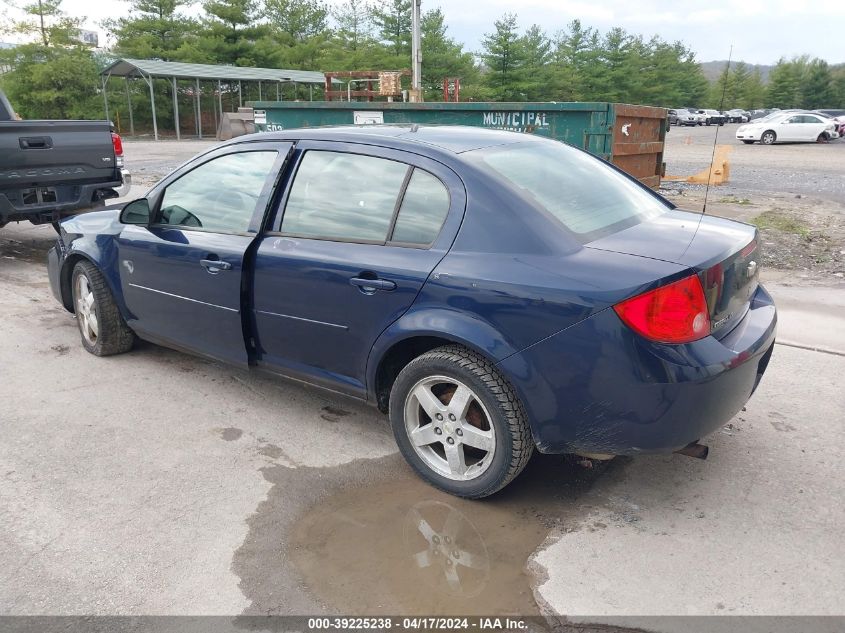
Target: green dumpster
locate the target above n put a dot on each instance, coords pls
(629, 136)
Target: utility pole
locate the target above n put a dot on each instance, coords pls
(416, 52)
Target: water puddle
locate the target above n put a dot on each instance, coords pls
(371, 538)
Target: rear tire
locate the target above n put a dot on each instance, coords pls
(823, 138)
(479, 443)
(102, 328)
(768, 137)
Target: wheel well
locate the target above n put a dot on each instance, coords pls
(65, 280)
(395, 360)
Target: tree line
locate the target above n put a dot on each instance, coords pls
(54, 75)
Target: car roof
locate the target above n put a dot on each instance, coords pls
(454, 139)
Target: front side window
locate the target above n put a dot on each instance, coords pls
(587, 196)
(219, 195)
(348, 197)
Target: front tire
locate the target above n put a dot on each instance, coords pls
(102, 328)
(459, 423)
(768, 137)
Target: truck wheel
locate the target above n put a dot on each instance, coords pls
(103, 330)
(459, 423)
(768, 137)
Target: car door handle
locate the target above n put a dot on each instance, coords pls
(369, 286)
(215, 265)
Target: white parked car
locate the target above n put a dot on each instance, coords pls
(713, 117)
(699, 115)
(788, 127)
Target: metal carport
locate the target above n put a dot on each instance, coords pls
(149, 69)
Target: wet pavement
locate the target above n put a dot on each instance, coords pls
(370, 537)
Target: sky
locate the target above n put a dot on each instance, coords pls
(761, 31)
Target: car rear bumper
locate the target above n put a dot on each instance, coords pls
(599, 388)
(126, 184)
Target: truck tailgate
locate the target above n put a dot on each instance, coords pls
(55, 152)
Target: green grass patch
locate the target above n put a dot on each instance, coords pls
(735, 200)
(780, 222)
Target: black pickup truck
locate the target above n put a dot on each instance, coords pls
(53, 169)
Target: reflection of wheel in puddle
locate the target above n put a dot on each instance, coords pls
(446, 549)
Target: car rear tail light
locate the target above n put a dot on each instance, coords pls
(674, 313)
(750, 248)
(117, 142)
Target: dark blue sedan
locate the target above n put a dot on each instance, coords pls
(492, 291)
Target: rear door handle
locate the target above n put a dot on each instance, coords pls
(214, 266)
(369, 286)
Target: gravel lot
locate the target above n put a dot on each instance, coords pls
(159, 483)
(809, 169)
(795, 194)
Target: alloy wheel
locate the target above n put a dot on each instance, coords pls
(86, 311)
(449, 428)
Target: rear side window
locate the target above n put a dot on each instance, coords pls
(357, 198)
(342, 196)
(423, 211)
(584, 194)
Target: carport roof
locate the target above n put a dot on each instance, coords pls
(126, 67)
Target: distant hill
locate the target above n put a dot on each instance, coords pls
(713, 69)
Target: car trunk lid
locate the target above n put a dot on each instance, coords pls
(724, 254)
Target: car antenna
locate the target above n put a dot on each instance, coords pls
(716, 137)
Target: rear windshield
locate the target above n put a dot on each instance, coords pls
(587, 196)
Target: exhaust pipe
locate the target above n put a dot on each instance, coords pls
(694, 449)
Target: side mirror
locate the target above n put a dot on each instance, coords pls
(136, 212)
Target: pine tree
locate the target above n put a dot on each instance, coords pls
(537, 49)
(297, 32)
(503, 54)
(392, 20)
(229, 33)
(754, 93)
(354, 26)
(817, 89)
(785, 84)
(442, 56)
(153, 29)
(575, 53)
